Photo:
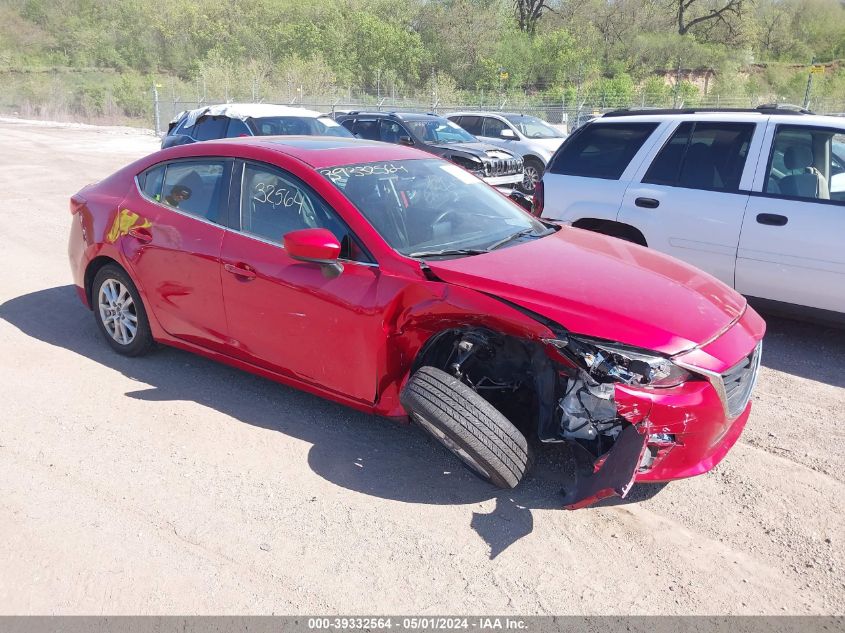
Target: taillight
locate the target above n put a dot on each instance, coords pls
(539, 199)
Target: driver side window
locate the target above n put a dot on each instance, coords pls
(493, 127)
(274, 203)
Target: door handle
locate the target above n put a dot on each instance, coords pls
(141, 234)
(772, 219)
(240, 270)
(647, 203)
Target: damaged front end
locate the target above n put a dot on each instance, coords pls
(607, 424)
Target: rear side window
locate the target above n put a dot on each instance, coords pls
(601, 150)
(237, 128)
(471, 124)
(702, 155)
(367, 129)
(150, 182)
(195, 187)
(208, 128)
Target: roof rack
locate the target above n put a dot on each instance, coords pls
(768, 108)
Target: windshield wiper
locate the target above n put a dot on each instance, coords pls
(449, 251)
(480, 251)
(514, 236)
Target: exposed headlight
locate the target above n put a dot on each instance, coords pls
(612, 362)
(472, 164)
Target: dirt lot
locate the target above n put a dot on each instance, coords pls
(171, 484)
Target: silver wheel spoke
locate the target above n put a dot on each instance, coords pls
(128, 327)
(117, 311)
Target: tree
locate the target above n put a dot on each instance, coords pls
(529, 12)
(719, 13)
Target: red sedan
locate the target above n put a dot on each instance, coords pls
(400, 284)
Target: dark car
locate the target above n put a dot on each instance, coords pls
(231, 120)
(441, 137)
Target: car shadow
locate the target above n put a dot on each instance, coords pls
(807, 350)
(360, 452)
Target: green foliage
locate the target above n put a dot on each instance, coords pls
(132, 93)
(614, 53)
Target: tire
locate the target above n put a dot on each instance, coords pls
(467, 425)
(535, 168)
(117, 307)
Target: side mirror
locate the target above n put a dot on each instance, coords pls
(318, 246)
(405, 140)
(508, 133)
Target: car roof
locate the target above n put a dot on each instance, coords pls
(247, 111)
(405, 116)
(320, 151)
(788, 117)
(501, 115)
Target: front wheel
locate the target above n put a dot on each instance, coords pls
(531, 175)
(120, 313)
(468, 425)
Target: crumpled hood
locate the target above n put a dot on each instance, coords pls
(476, 149)
(603, 287)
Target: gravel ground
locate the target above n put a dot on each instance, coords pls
(171, 484)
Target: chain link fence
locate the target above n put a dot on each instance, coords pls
(565, 115)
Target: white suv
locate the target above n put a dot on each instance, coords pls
(756, 198)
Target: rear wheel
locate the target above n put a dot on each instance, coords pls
(469, 426)
(120, 313)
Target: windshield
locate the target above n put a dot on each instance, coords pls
(424, 206)
(532, 127)
(440, 131)
(298, 125)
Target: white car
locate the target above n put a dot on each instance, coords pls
(756, 198)
(526, 136)
(229, 120)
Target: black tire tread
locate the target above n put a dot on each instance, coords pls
(469, 420)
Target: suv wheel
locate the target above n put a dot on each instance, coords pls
(533, 172)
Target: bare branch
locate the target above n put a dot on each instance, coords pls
(732, 7)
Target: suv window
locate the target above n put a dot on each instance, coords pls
(702, 155)
(492, 127)
(601, 150)
(807, 163)
(210, 127)
(390, 131)
(274, 203)
(471, 124)
(195, 187)
(366, 128)
(237, 128)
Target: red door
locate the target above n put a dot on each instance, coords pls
(174, 253)
(288, 316)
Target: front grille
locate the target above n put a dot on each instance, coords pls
(739, 381)
(503, 167)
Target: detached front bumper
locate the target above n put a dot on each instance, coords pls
(682, 431)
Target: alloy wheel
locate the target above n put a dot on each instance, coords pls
(117, 311)
(530, 177)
